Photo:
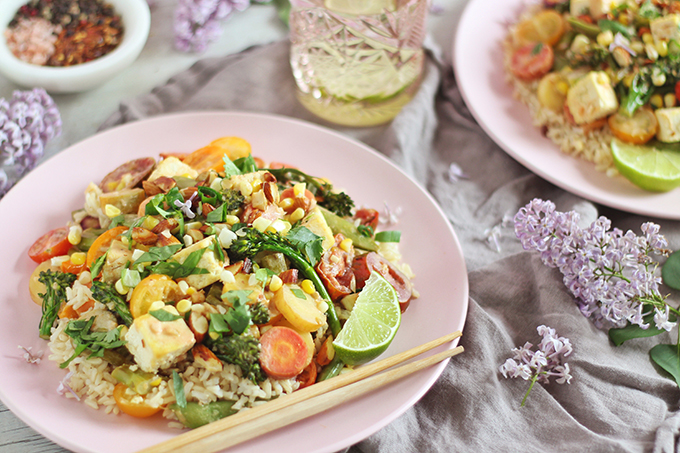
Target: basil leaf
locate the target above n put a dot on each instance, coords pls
(164, 315)
(306, 242)
(218, 215)
(158, 254)
(97, 265)
(246, 164)
(237, 297)
(388, 236)
(298, 293)
(218, 323)
(238, 318)
(230, 169)
(178, 387)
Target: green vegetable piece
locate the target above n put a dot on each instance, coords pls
(388, 236)
(178, 387)
(667, 357)
(670, 272)
(107, 295)
(138, 381)
(55, 295)
(164, 315)
(584, 27)
(87, 238)
(615, 27)
(242, 351)
(331, 370)
(195, 415)
(338, 224)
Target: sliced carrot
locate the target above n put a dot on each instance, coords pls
(102, 243)
(283, 354)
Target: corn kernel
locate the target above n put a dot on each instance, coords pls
(188, 240)
(652, 54)
(605, 38)
(183, 286)
(150, 222)
(647, 38)
(75, 234)
(214, 335)
(157, 305)
(227, 277)
(299, 189)
(275, 283)
(656, 101)
(245, 188)
(183, 306)
(120, 288)
(232, 219)
(637, 46)
(156, 382)
(287, 203)
(662, 47)
(278, 225)
(580, 44)
(669, 100)
(78, 258)
(658, 77)
(624, 19)
(111, 211)
(261, 224)
(307, 286)
(346, 244)
(562, 87)
(298, 214)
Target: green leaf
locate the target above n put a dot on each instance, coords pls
(130, 277)
(97, 265)
(164, 315)
(238, 319)
(298, 293)
(237, 297)
(178, 386)
(176, 270)
(619, 335)
(667, 357)
(388, 236)
(229, 168)
(246, 164)
(306, 242)
(670, 272)
(158, 254)
(615, 27)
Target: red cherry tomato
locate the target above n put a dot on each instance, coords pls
(364, 264)
(368, 217)
(54, 243)
(532, 61)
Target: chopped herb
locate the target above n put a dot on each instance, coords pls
(85, 339)
(537, 49)
(164, 315)
(308, 243)
(176, 270)
(158, 254)
(178, 387)
(298, 293)
(388, 236)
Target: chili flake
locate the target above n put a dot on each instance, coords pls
(82, 30)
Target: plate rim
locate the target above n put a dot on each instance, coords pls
(360, 434)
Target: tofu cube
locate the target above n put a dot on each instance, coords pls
(172, 166)
(669, 124)
(208, 262)
(158, 344)
(316, 223)
(592, 97)
(599, 8)
(579, 7)
(666, 27)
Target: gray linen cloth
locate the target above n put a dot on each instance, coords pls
(616, 402)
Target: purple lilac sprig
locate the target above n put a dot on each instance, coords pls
(27, 122)
(197, 22)
(541, 364)
(611, 274)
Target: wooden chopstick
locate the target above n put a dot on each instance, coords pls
(304, 403)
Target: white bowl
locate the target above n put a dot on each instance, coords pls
(136, 20)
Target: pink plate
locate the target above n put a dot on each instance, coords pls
(44, 199)
(478, 63)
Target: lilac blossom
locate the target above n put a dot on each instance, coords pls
(610, 273)
(27, 122)
(541, 364)
(197, 22)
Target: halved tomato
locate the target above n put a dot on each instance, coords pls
(637, 129)
(124, 401)
(547, 27)
(49, 245)
(532, 61)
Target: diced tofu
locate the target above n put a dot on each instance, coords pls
(669, 124)
(578, 7)
(172, 166)
(208, 262)
(592, 97)
(158, 344)
(316, 223)
(666, 27)
(117, 258)
(599, 8)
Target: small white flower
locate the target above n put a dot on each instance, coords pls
(185, 208)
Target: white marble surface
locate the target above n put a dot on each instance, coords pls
(82, 113)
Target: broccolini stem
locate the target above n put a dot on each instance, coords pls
(55, 294)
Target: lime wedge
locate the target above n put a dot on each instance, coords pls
(649, 167)
(360, 7)
(372, 325)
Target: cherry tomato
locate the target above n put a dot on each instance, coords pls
(283, 353)
(306, 202)
(54, 243)
(364, 264)
(532, 61)
(677, 89)
(126, 405)
(368, 217)
(547, 27)
(308, 376)
(102, 243)
(68, 266)
(637, 129)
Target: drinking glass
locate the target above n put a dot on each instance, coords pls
(357, 62)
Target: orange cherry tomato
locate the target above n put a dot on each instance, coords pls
(51, 244)
(68, 266)
(283, 353)
(102, 243)
(547, 27)
(126, 405)
(532, 61)
(637, 129)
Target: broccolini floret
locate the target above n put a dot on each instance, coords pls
(242, 351)
(108, 296)
(259, 314)
(55, 283)
(250, 241)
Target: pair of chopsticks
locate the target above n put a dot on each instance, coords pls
(304, 403)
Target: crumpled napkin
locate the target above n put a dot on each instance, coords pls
(616, 402)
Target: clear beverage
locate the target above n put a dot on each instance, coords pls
(357, 62)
